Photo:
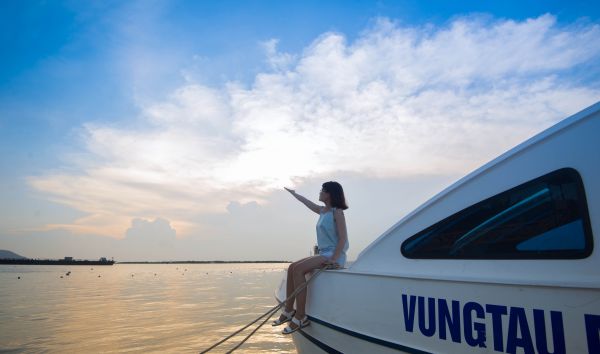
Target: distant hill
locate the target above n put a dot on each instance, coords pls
(4, 254)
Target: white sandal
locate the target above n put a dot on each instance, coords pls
(299, 324)
(287, 317)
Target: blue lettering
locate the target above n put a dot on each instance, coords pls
(592, 330)
(497, 311)
(478, 327)
(409, 312)
(431, 312)
(558, 334)
(519, 335)
(452, 321)
(517, 319)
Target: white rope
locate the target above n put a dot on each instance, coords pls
(271, 312)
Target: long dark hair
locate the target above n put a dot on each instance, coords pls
(336, 192)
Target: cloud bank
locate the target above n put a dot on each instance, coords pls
(398, 101)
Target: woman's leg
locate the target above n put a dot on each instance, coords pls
(304, 266)
(289, 304)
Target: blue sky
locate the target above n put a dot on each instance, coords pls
(187, 118)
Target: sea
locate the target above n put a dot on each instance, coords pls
(135, 308)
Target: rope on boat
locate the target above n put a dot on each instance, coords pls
(270, 312)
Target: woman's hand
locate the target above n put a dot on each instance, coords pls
(330, 263)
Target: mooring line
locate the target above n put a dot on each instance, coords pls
(270, 312)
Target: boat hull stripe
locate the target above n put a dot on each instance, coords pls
(360, 336)
(320, 344)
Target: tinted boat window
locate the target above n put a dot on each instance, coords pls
(543, 218)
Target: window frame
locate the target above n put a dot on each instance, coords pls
(517, 255)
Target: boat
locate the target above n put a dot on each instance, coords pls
(501, 261)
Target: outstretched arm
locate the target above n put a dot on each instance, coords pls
(310, 205)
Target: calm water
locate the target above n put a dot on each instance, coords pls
(176, 308)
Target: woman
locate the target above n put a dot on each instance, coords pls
(332, 240)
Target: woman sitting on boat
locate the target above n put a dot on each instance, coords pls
(332, 241)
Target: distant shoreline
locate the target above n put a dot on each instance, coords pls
(86, 262)
(28, 261)
(200, 262)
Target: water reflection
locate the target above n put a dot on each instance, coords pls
(137, 308)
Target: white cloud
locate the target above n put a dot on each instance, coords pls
(147, 239)
(398, 101)
(277, 60)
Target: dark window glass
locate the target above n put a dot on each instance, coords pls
(543, 218)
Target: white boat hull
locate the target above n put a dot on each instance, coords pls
(531, 284)
(388, 314)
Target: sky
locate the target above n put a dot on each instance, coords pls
(166, 130)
